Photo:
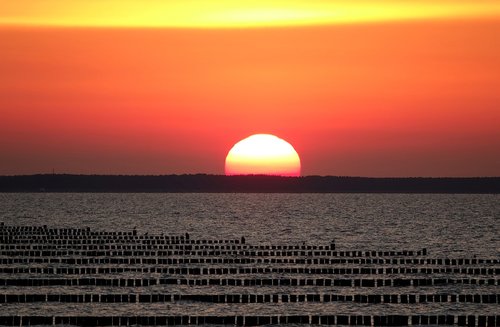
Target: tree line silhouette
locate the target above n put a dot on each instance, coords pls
(244, 184)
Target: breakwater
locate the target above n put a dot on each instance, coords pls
(86, 277)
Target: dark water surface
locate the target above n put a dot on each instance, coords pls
(448, 226)
(445, 224)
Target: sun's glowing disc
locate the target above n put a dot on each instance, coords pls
(263, 154)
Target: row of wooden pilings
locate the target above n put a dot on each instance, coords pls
(224, 260)
(268, 250)
(193, 252)
(198, 244)
(43, 234)
(246, 270)
(347, 320)
(144, 240)
(129, 252)
(142, 282)
(97, 240)
(251, 298)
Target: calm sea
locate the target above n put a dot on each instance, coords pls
(445, 224)
(449, 226)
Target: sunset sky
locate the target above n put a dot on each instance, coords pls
(359, 88)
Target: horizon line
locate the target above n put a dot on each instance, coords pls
(249, 175)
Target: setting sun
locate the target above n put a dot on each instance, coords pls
(263, 154)
(382, 88)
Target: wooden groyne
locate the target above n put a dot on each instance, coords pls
(141, 282)
(93, 270)
(251, 298)
(343, 320)
(57, 267)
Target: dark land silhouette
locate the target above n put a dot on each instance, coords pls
(244, 184)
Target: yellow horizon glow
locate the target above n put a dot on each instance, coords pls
(232, 14)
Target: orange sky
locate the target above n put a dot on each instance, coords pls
(364, 96)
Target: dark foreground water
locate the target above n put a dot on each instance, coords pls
(448, 226)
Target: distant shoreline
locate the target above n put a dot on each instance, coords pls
(202, 183)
